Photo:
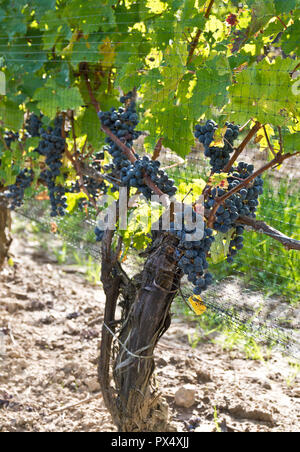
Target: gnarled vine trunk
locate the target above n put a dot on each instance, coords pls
(134, 404)
(5, 238)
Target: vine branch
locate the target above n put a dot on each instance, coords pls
(157, 149)
(242, 146)
(264, 228)
(195, 41)
(268, 141)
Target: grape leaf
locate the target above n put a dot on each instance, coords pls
(50, 100)
(220, 246)
(11, 115)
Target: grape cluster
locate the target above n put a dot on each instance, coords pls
(232, 19)
(249, 194)
(93, 186)
(205, 134)
(192, 256)
(133, 175)
(219, 156)
(10, 137)
(52, 146)
(33, 125)
(15, 193)
(122, 124)
(236, 243)
(250, 202)
(244, 202)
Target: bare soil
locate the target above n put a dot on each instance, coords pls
(50, 322)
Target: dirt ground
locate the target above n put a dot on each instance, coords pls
(50, 322)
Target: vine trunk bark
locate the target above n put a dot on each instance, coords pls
(5, 237)
(133, 401)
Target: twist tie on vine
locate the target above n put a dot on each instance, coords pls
(134, 355)
(163, 289)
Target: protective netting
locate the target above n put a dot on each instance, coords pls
(78, 233)
(178, 99)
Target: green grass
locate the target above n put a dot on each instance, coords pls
(211, 327)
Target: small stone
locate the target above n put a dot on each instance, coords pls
(266, 384)
(93, 385)
(186, 396)
(72, 328)
(35, 305)
(204, 376)
(13, 307)
(296, 392)
(205, 428)
(161, 362)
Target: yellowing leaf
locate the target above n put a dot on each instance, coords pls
(54, 227)
(108, 51)
(42, 196)
(72, 200)
(218, 180)
(219, 137)
(258, 138)
(197, 304)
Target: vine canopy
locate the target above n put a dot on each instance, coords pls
(188, 59)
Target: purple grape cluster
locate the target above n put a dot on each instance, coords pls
(132, 175)
(52, 146)
(192, 255)
(219, 156)
(15, 193)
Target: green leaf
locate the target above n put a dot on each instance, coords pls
(128, 76)
(220, 246)
(285, 6)
(88, 124)
(31, 144)
(190, 16)
(263, 91)
(90, 15)
(50, 100)
(291, 39)
(11, 115)
(291, 142)
(40, 6)
(211, 86)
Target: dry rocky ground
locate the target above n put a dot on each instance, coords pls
(50, 321)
